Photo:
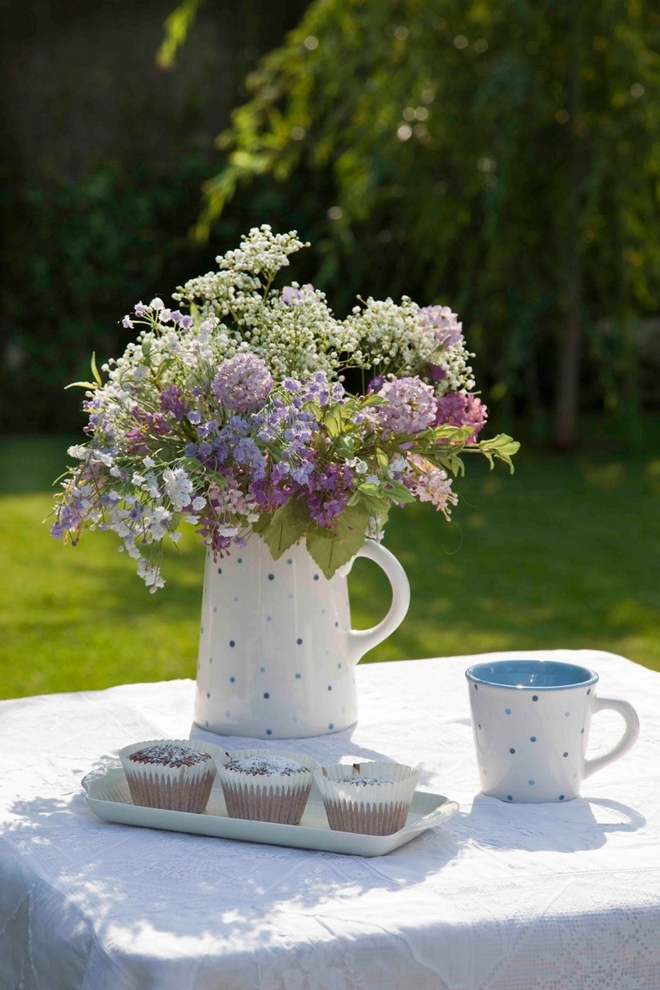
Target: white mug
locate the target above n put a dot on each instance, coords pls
(530, 720)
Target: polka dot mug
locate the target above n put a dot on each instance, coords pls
(530, 720)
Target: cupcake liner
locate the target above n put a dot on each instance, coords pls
(185, 788)
(277, 797)
(378, 805)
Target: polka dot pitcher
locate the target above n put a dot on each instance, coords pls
(277, 653)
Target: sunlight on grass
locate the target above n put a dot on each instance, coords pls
(564, 554)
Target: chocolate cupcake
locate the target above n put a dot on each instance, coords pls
(174, 774)
(369, 798)
(266, 786)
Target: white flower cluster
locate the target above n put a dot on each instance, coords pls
(295, 331)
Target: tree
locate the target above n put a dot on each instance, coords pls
(501, 156)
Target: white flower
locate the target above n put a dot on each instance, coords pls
(178, 487)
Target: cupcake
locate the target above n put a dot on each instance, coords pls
(369, 798)
(174, 774)
(266, 786)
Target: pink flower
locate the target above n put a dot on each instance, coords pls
(431, 484)
(448, 331)
(462, 409)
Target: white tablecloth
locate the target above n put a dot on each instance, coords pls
(502, 897)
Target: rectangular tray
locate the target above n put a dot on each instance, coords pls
(108, 796)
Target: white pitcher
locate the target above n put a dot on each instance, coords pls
(277, 654)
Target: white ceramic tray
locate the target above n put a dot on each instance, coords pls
(108, 796)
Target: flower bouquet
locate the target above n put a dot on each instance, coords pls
(252, 409)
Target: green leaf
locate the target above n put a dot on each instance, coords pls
(332, 549)
(502, 447)
(284, 527)
(81, 385)
(398, 492)
(369, 488)
(382, 458)
(95, 370)
(333, 421)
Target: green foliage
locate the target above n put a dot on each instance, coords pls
(78, 257)
(177, 28)
(500, 157)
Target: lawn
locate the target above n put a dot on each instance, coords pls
(563, 554)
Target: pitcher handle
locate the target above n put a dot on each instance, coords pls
(360, 641)
(627, 740)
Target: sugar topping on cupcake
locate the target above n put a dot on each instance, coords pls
(368, 798)
(173, 774)
(169, 754)
(266, 786)
(266, 765)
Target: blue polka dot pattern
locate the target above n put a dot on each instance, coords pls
(219, 570)
(567, 714)
(509, 797)
(531, 783)
(299, 641)
(298, 676)
(271, 577)
(532, 738)
(266, 695)
(507, 711)
(232, 679)
(511, 750)
(232, 643)
(561, 797)
(535, 697)
(269, 732)
(331, 725)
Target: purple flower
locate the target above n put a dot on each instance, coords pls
(291, 294)
(127, 322)
(410, 407)
(376, 384)
(148, 424)
(329, 491)
(140, 309)
(461, 409)
(171, 401)
(448, 331)
(243, 383)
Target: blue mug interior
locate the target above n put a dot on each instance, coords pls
(540, 674)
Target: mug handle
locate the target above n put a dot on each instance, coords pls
(360, 641)
(627, 740)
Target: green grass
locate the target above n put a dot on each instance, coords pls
(563, 554)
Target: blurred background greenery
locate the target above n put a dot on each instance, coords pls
(499, 158)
